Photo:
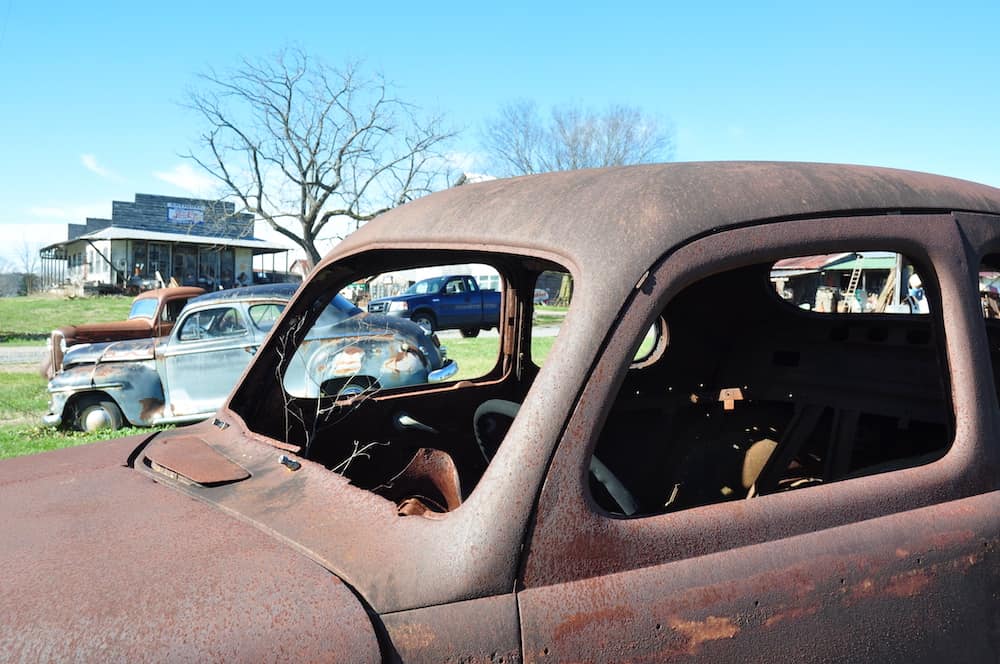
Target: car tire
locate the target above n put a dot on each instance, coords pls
(470, 332)
(425, 321)
(95, 413)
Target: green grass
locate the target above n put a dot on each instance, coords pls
(21, 394)
(22, 440)
(33, 317)
(545, 315)
(23, 401)
(476, 357)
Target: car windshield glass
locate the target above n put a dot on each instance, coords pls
(144, 308)
(339, 310)
(425, 286)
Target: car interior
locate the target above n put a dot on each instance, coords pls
(737, 391)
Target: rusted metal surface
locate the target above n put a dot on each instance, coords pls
(113, 566)
(891, 592)
(479, 630)
(195, 460)
(428, 483)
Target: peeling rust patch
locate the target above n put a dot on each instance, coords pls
(414, 636)
(582, 622)
(150, 408)
(712, 628)
(908, 584)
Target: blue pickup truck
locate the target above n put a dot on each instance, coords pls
(453, 302)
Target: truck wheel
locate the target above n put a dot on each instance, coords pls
(470, 332)
(95, 413)
(425, 321)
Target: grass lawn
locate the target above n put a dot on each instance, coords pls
(33, 317)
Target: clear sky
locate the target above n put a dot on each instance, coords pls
(90, 92)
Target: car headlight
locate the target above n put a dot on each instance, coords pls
(398, 305)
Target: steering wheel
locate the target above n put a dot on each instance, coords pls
(490, 424)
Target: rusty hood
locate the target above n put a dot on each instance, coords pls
(88, 333)
(101, 562)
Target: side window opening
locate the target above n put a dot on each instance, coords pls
(551, 298)
(989, 300)
(264, 316)
(752, 395)
(172, 310)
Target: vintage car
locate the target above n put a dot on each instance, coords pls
(152, 314)
(695, 468)
(185, 377)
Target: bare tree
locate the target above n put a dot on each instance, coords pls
(519, 141)
(28, 264)
(298, 144)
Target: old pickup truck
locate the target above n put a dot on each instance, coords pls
(452, 302)
(152, 314)
(697, 467)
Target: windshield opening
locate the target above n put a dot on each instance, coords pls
(144, 308)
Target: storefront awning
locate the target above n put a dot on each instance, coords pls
(120, 233)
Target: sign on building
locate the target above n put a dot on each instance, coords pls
(185, 214)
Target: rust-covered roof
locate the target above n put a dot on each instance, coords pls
(648, 209)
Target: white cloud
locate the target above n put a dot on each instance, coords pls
(15, 238)
(194, 182)
(75, 213)
(89, 162)
(464, 162)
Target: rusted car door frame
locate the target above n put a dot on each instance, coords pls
(900, 566)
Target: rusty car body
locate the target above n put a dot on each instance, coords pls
(151, 315)
(185, 377)
(695, 470)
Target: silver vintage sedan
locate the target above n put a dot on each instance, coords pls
(186, 376)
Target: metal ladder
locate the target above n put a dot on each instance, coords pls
(855, 279)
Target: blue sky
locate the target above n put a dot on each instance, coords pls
(90, 106)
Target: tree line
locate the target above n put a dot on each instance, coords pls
(300, 144)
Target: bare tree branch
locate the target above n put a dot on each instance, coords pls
(299, 144)
(520, 142)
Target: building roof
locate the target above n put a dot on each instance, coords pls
(122, 233)
(866, 263)
(805, 264)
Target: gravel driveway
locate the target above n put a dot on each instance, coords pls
(21, 354)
